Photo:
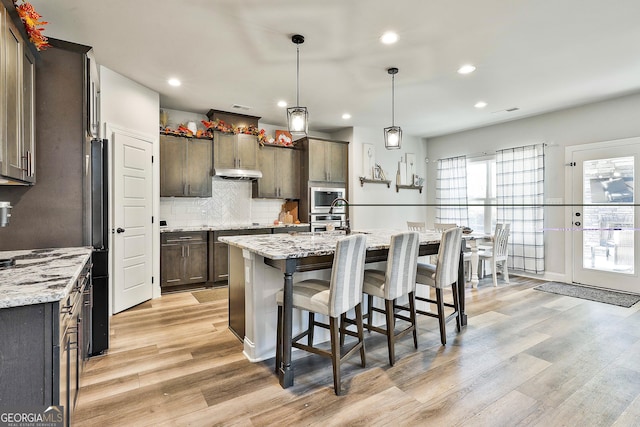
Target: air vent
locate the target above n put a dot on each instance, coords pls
(240, 107)
(509, 110)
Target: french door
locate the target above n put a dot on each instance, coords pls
(604, 214)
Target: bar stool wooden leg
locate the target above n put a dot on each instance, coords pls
(360, 327)
(441, 320)
(312, 325)
(456, 306)
(335, 353)
(391, 326)
(369, 311)
(412, 316)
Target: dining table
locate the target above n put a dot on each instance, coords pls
(256, 262)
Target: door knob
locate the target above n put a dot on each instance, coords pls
(120, 230)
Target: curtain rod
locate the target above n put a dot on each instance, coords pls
(490, 153)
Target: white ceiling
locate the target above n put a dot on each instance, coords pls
(537, 55)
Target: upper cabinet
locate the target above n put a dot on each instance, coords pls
(235, 151)
(328, 160)
(17, 106)
(280, 169)
(185, 167)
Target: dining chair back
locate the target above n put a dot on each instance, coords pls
(439, 226)
(498, 254)
(416, 226)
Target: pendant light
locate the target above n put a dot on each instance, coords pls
(392, 134)
(298, 117)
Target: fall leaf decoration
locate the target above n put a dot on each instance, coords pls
(32, 24)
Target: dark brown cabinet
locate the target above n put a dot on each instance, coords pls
(280, 169)
(324, 163)
(46, 367)
(17, 106)
(328, 160)
(185, 166)
(219, 252)
(235, 151)
(183, 258)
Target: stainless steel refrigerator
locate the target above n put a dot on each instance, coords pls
(100, 243)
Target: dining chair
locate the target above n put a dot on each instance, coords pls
(498, 253)
(398, 280)
(332, 298)
(416, 226)
(444, 273)
(439, 226)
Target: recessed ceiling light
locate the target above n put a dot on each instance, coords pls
(466, 69)
(346, 116)
(480, 104)
(389, 37)
(282, 104)
(174, 82)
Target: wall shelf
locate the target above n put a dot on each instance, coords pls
(374, 181)
(409, 187)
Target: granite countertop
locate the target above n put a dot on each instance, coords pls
(40, 275)
(173, 229)
(306, 244)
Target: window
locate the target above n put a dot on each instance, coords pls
(481, 194)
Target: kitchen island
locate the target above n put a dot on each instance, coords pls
(257, 265)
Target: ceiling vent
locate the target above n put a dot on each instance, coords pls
(509, 110)
(240, 107)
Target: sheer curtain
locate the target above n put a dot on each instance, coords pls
(520, 197)
(451, 189)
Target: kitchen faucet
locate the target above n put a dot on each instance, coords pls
(346, 227)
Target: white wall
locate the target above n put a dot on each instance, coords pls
(392, 214)
(128, 105)
(602, 121)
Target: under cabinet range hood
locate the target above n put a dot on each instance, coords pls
(238, 174)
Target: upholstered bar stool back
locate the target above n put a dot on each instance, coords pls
(444, 273)
(334, 299)
(396, 281)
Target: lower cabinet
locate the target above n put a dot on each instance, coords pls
(183, 258)
(42, 349)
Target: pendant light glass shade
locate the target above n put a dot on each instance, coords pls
(392, 137)
(298, 117)
(298, 120)
(392, 134)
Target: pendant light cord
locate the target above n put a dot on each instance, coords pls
(297, 75)
(393, 99)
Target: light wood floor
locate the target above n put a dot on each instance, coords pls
(526, 358)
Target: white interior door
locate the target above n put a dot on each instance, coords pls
(604, 215)
(132, 221)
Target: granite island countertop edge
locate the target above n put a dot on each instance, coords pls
(302, 245)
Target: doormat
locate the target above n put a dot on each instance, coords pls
(209, 295)
(600, 295)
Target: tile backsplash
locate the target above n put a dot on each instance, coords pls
(231, 204)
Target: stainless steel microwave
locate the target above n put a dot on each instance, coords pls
(321, 198)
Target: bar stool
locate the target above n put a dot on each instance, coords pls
(398, 280)
(333, 299)
(444, 273)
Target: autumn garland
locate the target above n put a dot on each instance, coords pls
(32, 24)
